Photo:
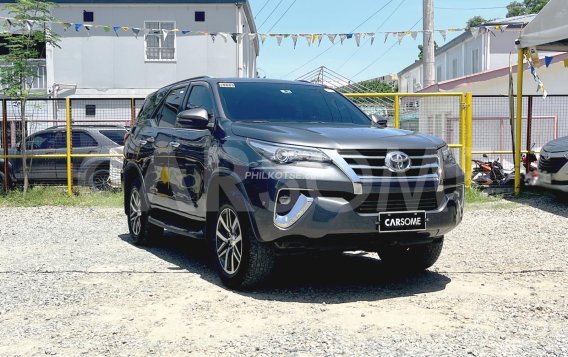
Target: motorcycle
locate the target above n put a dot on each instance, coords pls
(489, 173)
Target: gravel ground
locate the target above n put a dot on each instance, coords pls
(71, 283)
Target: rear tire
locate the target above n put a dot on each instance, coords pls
(414, 258)
(141, 231)
(240, 259)
(2, 183)
(100, 180)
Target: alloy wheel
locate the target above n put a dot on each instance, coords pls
(229, 241)
(135, 214)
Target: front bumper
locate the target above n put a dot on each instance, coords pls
(556, 180)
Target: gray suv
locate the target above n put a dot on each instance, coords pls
(91, 172)
(261, 168)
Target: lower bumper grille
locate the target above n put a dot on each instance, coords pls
(552, 165)
(395, 202)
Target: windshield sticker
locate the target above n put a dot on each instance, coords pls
(226, 85)
(329, 90)
(286, 91)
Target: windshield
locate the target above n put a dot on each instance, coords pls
(286, 102)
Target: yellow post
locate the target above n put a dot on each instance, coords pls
(468, 138)
(69, 149)
(518, 124)
(463, 108)
(397, 111)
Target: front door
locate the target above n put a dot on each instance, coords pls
(40, 169)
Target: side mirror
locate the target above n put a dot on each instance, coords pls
(485, 156)
(197, 118)
(378, 121)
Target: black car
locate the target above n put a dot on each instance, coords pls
(92, 172)
(261, 168)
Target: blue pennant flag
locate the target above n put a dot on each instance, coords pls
(349, 36)
(78, 27)
(185, 32)
(116, 28)
(548, 61)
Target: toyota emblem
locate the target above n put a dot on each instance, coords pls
(397, 161)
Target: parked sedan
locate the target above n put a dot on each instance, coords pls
(92, 172)
(553, 165)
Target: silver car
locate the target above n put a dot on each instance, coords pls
(553, 165)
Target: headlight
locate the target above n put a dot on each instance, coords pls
(285, 154)
(447, 155)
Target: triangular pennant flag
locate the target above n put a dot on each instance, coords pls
(241, 36)
(29, 24)
(504, 27)
(88, 27)
(165, 34)
(372, 36)
(358, 38)
(9, 22)
(115, 29)
(401, 36)
(547, 61)
(414, 34)
(295, 40)
(262, 38)
(136, 31)
(213, 36)
(308, 39)
(314, 38)
(332, 37)
(106, 28)
(443, 33)
(279, 39)
(234, 37)
(349, 36)
(474, 31)
(78, 27)
(342, 37)
(252, 36)
(386, 37)
(185, 32)
(124, 28)
(224, 36)
(320, 37)
(65, 25)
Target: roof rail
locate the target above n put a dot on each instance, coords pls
(190, 79)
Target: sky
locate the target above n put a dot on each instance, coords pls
(346, 16)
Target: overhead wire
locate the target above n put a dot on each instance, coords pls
(272, 13)
(367, 40)
(262, 8)
(282, 16)
(383, 54)
(332, 45)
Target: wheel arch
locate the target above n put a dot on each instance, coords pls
(131, 172)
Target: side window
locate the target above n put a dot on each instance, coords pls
(60, 140)
(168, 113)
(82, 140)
(40, 142)
(200, 97)
(150, 105)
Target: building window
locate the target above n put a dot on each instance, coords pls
(439, 73)
(455, 68)
(88, 16)
(90, 110)
(475, 61)
(200, 16)
(160, 45)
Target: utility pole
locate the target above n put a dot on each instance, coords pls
(429, 59)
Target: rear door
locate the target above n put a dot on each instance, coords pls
(190, 151)
(40, 169)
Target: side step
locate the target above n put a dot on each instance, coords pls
(178, 230)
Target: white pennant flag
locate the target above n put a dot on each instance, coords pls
(279, 39)
(262, 38)
(224, 35)
(213, 36)
(342, 37)
(165, 34)
(358, 38)
(319, 40)
(332, 37)
(386, 37)
(474, 31)
(414, 34)
(400, 37)
(295, 40)
(372, 36)
(308, 39)
(29, 24)
(252, 36)
(443, 33)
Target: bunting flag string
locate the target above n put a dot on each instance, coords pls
(313, 38)
(534, 72)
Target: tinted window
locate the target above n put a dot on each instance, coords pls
(284, 102)
(115, 135)
(170, 109)
(150, 105)
(82, 140)
(41, 142)
(200, 97)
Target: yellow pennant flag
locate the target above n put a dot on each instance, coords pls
(314, 38)
(566, 63)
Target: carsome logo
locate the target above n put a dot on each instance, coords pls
(397, 161)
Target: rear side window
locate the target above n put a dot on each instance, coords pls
(170, 109)
(150, 105)
(115, 135)
(82, 140)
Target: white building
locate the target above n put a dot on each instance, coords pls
(100, 63)
(468, 54)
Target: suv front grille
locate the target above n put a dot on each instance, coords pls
(370, 164)
(397, 202)
(552, 165)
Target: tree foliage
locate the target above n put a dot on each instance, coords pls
(421, 49)
(21, 37)
(377, 86)
(476, 21)
(526, 7)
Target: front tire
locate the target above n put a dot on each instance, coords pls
(241, 260)
(141, 231)
(414, 258)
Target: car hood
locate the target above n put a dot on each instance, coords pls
(336, 136)
(558, 145)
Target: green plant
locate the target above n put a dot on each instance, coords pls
(24, 35)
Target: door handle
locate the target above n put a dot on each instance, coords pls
(174, 144)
